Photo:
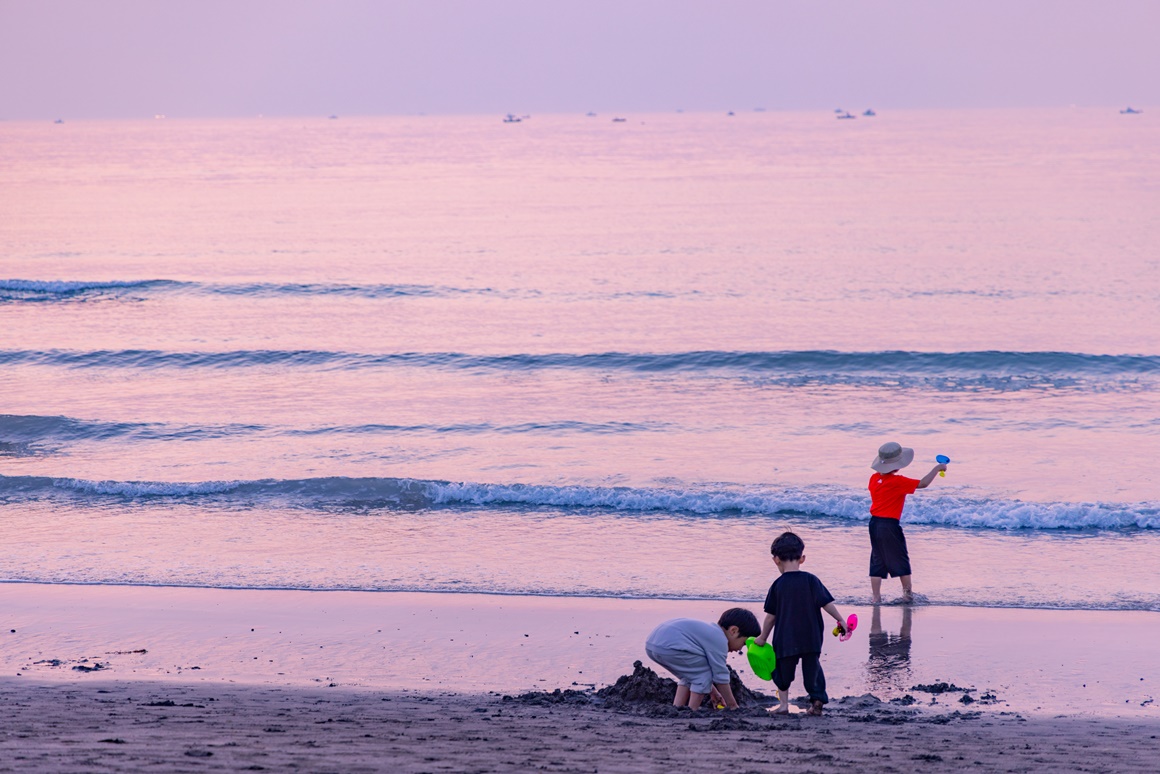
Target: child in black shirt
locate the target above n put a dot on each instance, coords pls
(794, 605)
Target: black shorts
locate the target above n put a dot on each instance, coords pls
(888, 555)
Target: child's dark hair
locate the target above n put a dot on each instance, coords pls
(788, 547)
(745, 621)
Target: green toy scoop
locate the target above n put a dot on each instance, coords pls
(761, 660)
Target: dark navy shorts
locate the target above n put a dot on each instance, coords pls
(888, 555)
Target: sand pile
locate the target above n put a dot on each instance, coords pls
(938, 688)
(643, 690)
(643, 686)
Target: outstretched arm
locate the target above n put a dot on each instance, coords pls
(924, 482)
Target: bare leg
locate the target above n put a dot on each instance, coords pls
(783, 699)
(876, 589)
(695, 699)
(907, 595)
(682, 696)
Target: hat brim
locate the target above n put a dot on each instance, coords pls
(894, 463)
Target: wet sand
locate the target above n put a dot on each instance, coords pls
(176, 679)
(1037, 661)
(173, 727)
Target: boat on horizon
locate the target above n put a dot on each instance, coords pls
(868, 112)
(512, 119)
(1130, 111)
(846, 114)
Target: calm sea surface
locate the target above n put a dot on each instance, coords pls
(572, 356)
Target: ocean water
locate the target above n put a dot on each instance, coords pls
(576, 357)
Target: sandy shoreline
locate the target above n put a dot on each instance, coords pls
(1035, 661)
(140, 725)
(179, 679)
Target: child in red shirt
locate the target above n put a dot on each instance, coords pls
(888, 491)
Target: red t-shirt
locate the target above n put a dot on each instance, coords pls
(888, 493)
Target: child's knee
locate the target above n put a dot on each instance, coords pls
(701, 683)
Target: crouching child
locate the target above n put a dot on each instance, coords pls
(695, 652)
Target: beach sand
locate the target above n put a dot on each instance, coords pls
(179, 727)
(175, 679)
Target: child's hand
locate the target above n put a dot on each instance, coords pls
(759, 642)
(940, 467)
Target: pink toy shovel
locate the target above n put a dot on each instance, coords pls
(851, 625)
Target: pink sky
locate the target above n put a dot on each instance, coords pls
(124, 58)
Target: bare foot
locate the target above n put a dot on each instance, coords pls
(782, 709)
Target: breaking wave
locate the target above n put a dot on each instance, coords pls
(991, 371)
(47, 291)
(18, 290)
(366, 494)
(32, 432)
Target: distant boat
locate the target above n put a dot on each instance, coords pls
(846, 115)
(332, 117)
(619, 120)
(729, 113)
(1130, 111)
(59, 121)
(868, 112)
(511, 119)
(590, 114)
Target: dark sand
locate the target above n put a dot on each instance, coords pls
(168, 727)
(197, 679)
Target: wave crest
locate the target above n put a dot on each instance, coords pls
(988, 371)
(362, 494)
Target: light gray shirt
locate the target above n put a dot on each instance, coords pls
(689, 635)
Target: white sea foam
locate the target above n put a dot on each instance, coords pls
(723, 502)
(936, 510)
(145, 488)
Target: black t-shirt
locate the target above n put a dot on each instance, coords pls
(796, 599)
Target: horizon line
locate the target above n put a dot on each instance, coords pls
(592, 113)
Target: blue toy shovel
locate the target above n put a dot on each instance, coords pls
(942, 459)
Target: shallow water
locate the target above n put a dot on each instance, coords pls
(575, 357)
(1037, 661)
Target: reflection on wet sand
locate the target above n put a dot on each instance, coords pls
(888, 666)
